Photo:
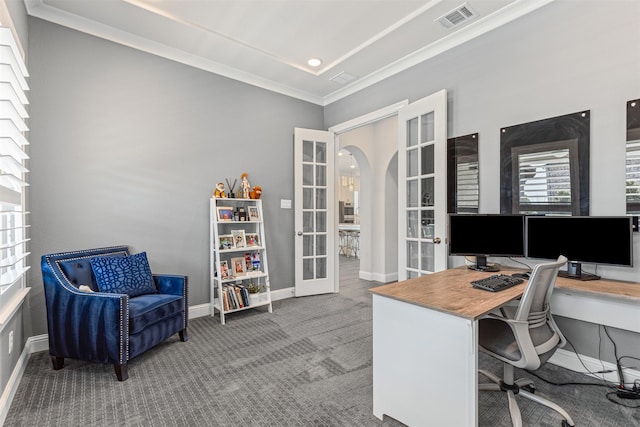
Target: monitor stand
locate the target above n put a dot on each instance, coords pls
(482, 265)
(574, 271)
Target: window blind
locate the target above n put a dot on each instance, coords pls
(13, 170)
(545, 181)
(468, 192)
(633, 176)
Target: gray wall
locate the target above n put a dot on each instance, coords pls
(561, 59)
(126, 148)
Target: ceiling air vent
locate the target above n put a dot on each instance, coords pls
(342, 78)
(457, 16)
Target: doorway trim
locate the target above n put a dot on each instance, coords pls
(374, 116)
(366, 119)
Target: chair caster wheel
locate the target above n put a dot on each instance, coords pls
(531, 389)
(565, 423)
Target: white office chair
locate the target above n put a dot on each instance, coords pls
(525, 337)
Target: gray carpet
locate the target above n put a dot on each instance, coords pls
(306, 364)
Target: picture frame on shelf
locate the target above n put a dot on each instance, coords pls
(252, 239)
(227, 241)
(255, 261)
(224, 271)
(238, 266)
(254, 213)
(239, 238)
(225, 213)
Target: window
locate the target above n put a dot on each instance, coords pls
(633, 157)
(13, 224)
(544, 166)
(546, 179)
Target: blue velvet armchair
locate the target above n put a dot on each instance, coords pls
(107, 327)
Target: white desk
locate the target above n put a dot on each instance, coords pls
(425, 342)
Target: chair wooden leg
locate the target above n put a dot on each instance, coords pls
(57, 362)
(183, 335)
(122, 372)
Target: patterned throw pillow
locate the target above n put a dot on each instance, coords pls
(124, 275)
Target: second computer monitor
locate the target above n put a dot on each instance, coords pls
(590, 239)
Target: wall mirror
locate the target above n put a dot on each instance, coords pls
(463, 192)
(544, 166)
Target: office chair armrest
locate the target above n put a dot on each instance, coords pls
(520, 331)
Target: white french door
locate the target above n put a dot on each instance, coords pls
(422, 186)
(315, 227)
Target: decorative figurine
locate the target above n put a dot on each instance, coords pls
(246, 186)
(220, 191)
(256, 192)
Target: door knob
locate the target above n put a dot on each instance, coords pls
(437, 240)
(299, 233)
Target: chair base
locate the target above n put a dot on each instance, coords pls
(519, 387)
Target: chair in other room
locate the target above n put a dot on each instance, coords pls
(104, 305)
(524, 337)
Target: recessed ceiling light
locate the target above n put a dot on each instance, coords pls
(314, 62)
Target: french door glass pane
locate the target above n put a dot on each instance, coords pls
(427, 127)
(321, 152)
(412, 162)
(321, 198)
(427, 159)
(307, 269)
(427, 257)
(307, 174)
(307, 198)
(307, 151)
(427, 192)
(321, 222)
(321, 244)
(321, 268)
(412, 193)
(321, 175)
(307, 245)
(307, 222)
(427, 224)
(412, 132)
(412, 224)
(411, 274)
(412, 254)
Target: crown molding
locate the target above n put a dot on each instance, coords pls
(39, 9)
(482, 26)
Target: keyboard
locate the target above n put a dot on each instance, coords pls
(497, 282)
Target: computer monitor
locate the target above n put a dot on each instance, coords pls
(486, 235)
(591, 239)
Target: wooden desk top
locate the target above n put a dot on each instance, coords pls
(450, 291)
(603, 288)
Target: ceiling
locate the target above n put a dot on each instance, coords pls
(267, 43)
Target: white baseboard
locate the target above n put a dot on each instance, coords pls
(201, 310)
(37, 343)
(569, 360)
(16, 376)
(378, 277)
